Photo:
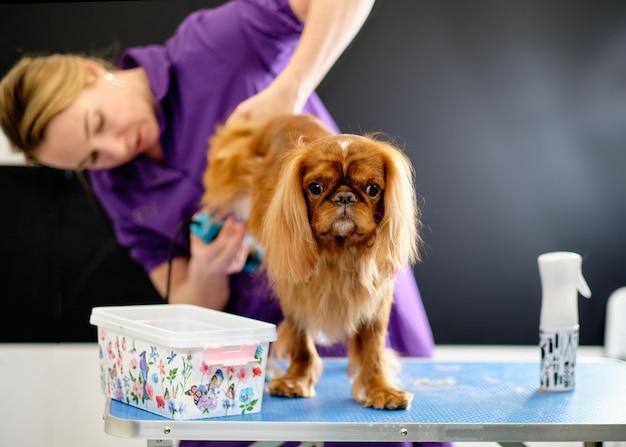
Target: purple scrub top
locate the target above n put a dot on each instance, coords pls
(217, 58)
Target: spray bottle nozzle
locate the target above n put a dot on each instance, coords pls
(561, 281)
(583, 287)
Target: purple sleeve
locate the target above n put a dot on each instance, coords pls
(272, 30)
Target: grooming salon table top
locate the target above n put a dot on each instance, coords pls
(453, 401)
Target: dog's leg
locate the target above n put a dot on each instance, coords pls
(367, 366)
(305, 365)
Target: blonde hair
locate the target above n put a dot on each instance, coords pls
(33, 92)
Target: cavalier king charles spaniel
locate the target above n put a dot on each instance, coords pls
(337, 217)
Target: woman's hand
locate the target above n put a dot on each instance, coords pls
(225, 255)
(277, 99)
(203, 279)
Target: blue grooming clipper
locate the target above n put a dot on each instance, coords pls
(207, 228)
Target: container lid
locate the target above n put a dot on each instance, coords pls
(182, 325)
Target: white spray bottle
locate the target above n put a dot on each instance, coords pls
(561, 281)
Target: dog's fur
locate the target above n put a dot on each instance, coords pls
(337, 217)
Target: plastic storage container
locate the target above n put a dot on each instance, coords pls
(182, 361)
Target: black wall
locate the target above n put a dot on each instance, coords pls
(514, 114)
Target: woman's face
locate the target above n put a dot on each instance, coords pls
(110, 123)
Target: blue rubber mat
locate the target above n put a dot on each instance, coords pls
(450, 393)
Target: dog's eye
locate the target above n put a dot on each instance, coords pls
(316, 189)
(372, 190)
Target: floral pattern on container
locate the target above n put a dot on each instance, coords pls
(178, 384)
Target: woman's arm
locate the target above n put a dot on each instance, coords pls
(203, 279)
(329, 27)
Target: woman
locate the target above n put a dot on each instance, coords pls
(141, 130)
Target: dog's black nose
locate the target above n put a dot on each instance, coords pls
(344, 198)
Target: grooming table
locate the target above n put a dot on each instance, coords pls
(453, 401)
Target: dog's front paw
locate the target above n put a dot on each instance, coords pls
(388, 399)
(376, 392)
(291, 387)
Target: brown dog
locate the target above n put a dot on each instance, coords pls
(337, 217)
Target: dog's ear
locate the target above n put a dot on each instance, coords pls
(399, 228)
(287, 238)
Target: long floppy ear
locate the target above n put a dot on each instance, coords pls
(286, 235)
(399, 228)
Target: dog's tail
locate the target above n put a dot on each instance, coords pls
(230, 163)
(238, 151)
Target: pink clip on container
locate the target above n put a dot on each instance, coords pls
(561, 282)
(181, 361)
